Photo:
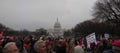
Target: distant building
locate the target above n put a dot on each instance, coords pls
(57, 30)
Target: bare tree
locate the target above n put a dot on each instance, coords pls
(107, 9)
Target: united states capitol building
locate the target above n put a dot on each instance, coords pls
(57, 30)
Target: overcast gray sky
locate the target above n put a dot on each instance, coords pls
(34, 14)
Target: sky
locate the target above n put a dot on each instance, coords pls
(35, 14)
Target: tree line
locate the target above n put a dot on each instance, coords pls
(11, 32)
(106, 19)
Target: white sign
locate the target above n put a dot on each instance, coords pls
(107, 36)
(90, 39)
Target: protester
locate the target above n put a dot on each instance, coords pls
(19, 44)
(49, 48)
(32, 42)
(70, 46)
(77, 48)
(11, 48)
(99, 48)
(92, 46)
(40, 47)
(27, 44)
(61, 46)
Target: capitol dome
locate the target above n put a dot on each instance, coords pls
(57, 28)
(57, 24)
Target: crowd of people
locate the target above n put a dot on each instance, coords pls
(30, 44)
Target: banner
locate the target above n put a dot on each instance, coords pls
(90, 39)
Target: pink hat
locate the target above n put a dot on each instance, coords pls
(99, 43)
(11, 38)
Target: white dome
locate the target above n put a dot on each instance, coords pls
(57, 24)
